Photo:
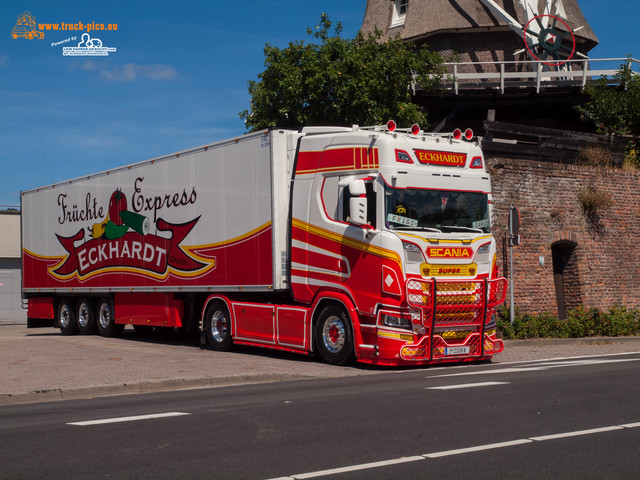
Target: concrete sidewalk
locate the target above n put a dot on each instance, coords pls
(43, 365)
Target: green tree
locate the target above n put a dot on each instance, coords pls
(340, 81)
(616, 108)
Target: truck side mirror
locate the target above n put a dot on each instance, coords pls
(358, 202)
(358, 210)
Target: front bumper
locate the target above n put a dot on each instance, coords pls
(451, 321)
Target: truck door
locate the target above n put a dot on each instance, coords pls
(326, 245)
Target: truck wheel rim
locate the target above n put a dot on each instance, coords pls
(219, 328)
(105, 316)
(333, 334)
(83, 315)
(65, 316)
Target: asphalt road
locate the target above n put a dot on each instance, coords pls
(574, 418)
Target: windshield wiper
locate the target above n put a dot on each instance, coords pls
(466, 229)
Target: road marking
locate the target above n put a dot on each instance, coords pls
(564, 358)
(467, 385)
(353, 468)
(459, 451)
(539, 366)
(489, 372)
(585, 361)
(577, 433)
(478, 448)
(128, 419)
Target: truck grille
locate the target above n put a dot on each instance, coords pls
(454, 303)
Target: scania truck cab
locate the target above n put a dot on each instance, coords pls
(399, 221)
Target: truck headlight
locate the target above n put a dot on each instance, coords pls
(396, 320)
(412, 253)
(482, 255)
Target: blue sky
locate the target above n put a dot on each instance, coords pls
(177, 80)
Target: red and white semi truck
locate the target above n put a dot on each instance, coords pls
(367, 243)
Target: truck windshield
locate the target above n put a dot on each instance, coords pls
(436, 210)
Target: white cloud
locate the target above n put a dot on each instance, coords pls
(90, 65)
(130, 72)
(3, 60)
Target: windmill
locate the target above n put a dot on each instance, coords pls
(547, 35)
(510, 49)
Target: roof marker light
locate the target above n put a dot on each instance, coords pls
(391, 125)
(415, 129)
(468, 134)
(457, 134)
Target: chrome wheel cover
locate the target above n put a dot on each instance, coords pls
(334, 334)
(219, 326)
(104, 315)
(65, 316)
(83, 315)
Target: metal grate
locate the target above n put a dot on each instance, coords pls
(456, 303)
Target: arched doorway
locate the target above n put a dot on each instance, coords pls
(565, 276)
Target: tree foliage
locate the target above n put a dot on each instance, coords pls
(616, 109)
(339, 81)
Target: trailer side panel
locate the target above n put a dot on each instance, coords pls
(197, 220)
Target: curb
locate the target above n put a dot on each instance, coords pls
(146, 386)
(545, 342)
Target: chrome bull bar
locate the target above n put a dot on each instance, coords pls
(453, 304)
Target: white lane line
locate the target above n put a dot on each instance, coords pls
(586, 361)
(478, 448)
(459, 451)
(353, 468)
(576, 434)
(467, 385)
(128, 419)
(533, 362)
(489, 372)
(538, 366)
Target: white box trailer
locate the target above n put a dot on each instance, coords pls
(371, 243)
(204, 218)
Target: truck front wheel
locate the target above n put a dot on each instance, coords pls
(333, 336)
(217, 326)
(67, 317)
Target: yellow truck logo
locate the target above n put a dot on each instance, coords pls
(26, 27)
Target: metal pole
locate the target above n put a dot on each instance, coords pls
(511, 314)
(484, 315)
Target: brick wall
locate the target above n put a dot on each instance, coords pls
(491, 46)
(601, 265)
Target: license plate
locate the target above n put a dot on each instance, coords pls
(456, 351)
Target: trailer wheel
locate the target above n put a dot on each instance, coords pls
(107, 326)
(86, 318)
(334, 339)
(217, 326)
(67, 317)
